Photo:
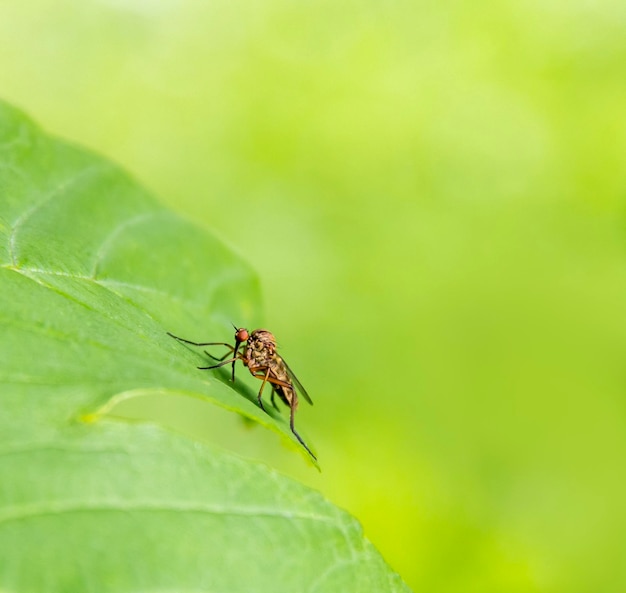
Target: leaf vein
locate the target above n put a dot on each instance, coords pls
(31, 511)
(104, 283)
(29, 212)
(114, 234)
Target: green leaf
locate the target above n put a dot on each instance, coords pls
(93, 272)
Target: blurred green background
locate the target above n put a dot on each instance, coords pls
(433, 195)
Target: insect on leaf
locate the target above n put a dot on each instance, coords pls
(92, 272)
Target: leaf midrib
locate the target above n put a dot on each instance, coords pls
(9, 514)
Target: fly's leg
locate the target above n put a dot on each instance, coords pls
(276, 381)
(259, 374)
(291, 415)
(292, 405)
(221, 364)
(273, 400)
(230, 351)
(267, 374)
(200, 343)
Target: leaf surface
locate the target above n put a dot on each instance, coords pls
(93, 272)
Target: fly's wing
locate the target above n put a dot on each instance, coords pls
(297, 383)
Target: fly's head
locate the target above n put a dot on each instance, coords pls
(241, 336)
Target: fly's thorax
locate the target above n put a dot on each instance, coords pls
(261, 339)
(260, 349)
(261, 345)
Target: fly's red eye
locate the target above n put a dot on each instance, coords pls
(242, 335)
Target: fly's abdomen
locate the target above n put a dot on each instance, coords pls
(287, 394)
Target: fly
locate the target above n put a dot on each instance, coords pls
(263, 361)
